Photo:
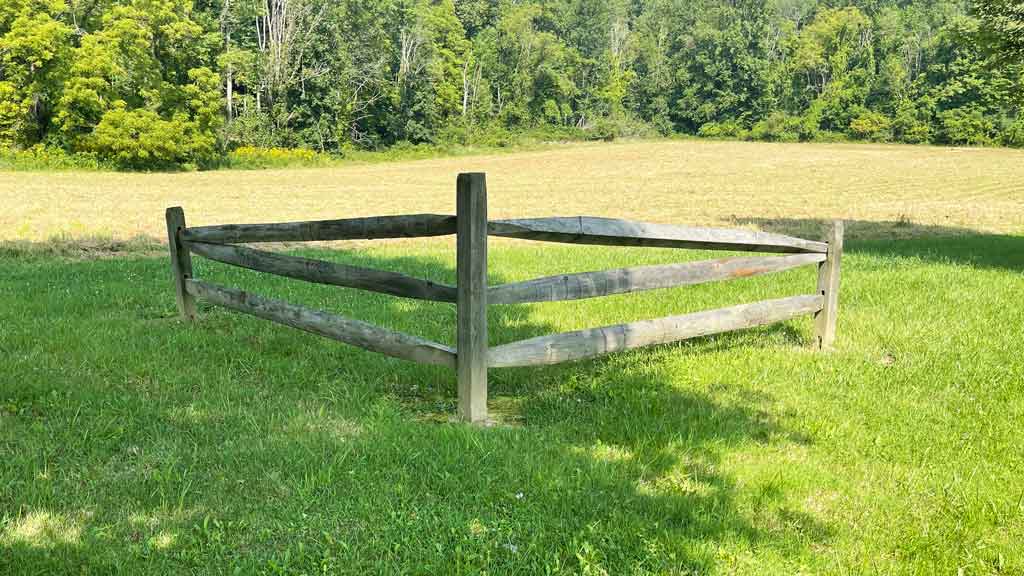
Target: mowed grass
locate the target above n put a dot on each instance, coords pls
(131, 443)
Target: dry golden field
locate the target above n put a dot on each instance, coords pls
(882, 190)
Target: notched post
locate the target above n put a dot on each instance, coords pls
(181, 263)
(828, 286)
(471, 301)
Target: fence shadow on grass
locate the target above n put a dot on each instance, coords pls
(251, 441)
(663, 442)
(905, 238)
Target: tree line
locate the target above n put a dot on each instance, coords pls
(163, 83)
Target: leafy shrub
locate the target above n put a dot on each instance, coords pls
(811, 120)
(870, 125)
(552, 112)
(251, 157)
(41, 157)
(491, 135)
(726, 129)
(140, 139)
(778, 127)
(1013, 135)
(605, 129)
(910, 125)
(13, 112)
(609, 128)
(830, 136)
(710, 130)
(966, 125)
(254, 129)
(840, 104)
(547, 133)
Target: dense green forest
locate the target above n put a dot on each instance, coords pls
(164, 83)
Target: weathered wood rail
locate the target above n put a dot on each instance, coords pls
(472, 357)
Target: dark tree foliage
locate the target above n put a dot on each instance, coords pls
(1003, 27)
(163, 83)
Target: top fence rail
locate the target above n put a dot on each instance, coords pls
(571, 230)
(374, 227)
(615, 232)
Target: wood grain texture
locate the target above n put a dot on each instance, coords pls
(405, 226)
(471, 267)
(181, 263)
(623, 280)
(828, 285)
(353, 332)
(321, 272)
(581, 344)
(614, 232)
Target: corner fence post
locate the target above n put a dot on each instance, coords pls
(181, 263)
(828, 286)
(471, 296)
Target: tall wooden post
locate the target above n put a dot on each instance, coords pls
(181, 263)
(471, 304)
(828, 286)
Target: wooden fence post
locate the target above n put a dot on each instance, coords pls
(828, 286)
(181, 263)
(471, 301)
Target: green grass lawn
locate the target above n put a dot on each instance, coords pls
(131, 443)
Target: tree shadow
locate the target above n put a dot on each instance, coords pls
(251, 442)
(906, 239)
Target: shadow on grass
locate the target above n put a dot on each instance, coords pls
(904, 238)
(235, 443)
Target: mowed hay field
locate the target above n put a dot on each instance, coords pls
(693, 182)
(131, 443)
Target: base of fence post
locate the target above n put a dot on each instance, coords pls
(828, 286)
(181, 263)
(471, 302)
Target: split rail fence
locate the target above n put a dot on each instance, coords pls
(472, 357)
